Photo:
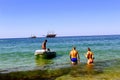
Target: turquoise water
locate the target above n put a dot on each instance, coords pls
(18, 53)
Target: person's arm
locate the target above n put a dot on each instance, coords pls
(92, 55)
(43, 45)
(78, 58)
(87, 55)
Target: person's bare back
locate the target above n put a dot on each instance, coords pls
(74, 56)
(44, 45)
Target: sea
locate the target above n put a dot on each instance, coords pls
(17, 54)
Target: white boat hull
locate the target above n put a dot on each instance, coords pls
(45, 54)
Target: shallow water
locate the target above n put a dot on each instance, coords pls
(97, 71)
(18, 55)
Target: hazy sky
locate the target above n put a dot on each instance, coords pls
(21, 18)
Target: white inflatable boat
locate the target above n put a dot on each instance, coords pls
(45, 53)
(37, 52)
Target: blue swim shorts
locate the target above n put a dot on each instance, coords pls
(74, 59)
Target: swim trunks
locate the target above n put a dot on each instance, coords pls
(90, 60)
(74, 59)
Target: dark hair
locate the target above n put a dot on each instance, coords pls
(46, 40)
(89, 49)
(48, 49)
(74, 47)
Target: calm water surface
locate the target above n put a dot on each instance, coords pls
(18, 53)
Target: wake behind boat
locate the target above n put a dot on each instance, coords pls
(46, 54)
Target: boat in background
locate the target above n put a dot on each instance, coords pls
(33, 36)
(51, 35)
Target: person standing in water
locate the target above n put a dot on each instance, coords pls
(44, 45)
(74, 56)
(90, 56)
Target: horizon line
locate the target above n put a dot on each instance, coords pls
(65, 36)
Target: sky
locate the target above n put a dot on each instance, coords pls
(22, 18)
